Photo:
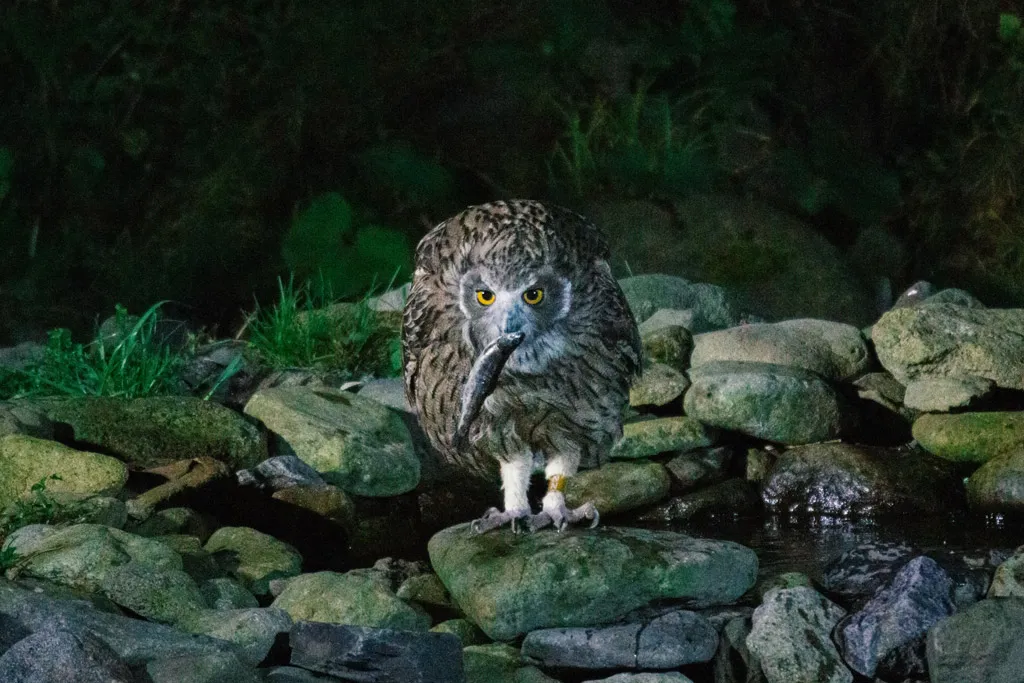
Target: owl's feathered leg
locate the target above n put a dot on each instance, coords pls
(553, 510)
(515, 481)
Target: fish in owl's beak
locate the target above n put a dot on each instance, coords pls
(483, 378)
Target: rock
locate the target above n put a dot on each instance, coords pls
(497, 663)
(709, 306)
(253, 630)
(26, 460)
(734, 662)
(1008, 581)
(670, 677)
(222, 593)
(22, 356)
(425, 589)
(698, 467)
(397, 571)
(164, 595)
(833, 350)
(280, 472)
(133, 640)
(837, 478)
(666, 338)
(658, 386)
(998, 485)
(772, 402)
(953, 295)
(782, 581)
(56, 654)
(327, 501)
(184, 425)
(971, 437)
(353, 442)
(177, 520)
(947, 340)
(195, 561)
(359, 597)
(668, 642)
(22, 417)
(507, 584)
(645, 438)
(982, 644)
(184, 477)
(883, 389)
(860, 571)
(941, 394)
(618, 486)
(467, 632)
(791, 636)
(219, 667)
(82, 555)
(388, 391)
(378, 655)
(252, 557)
(293, 674)
(888, 635)
(728, 498)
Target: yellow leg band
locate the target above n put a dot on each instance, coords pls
(556, 483)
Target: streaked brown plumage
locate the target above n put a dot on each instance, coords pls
(559, 397)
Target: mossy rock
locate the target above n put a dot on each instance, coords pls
(970, 437)
(252, 557)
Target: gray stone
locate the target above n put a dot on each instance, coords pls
(425, 589)
(772, 402)
(644, 438)
(500, 663)
(730, 497)
(176, 521)
(833, 350)
(218, 667)
(355, 443)
(998, 485)
(709, 305)
(941, 394)
(359, 597)
(195, 561)
(1008, 581)
(670, 677)
(947, 340)
(293, 674)
(252, 557)
(971, 437)
(22, 417)
(506, 583)
(863, 569)
(280, 472)
(734, 662)
(698, 467)
(161, 594)
(388, 391)
(882, 389)
(222, 593)
(668, 642)
(253, 630)
(56, 654)
(887, 636)
(378, 655)
(791, 636)
(666, 338)
(465, 630)
(618, 486)
(658, 386)
(835, 478)
(982, 644)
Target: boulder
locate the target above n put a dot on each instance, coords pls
(252, 557)
(618, 486)
(982, 644)
(359, 597)
(970, 437)
(644, 438)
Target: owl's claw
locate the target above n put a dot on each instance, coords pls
(518, 520)
(560, 517)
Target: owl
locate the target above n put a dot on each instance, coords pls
(519, 350)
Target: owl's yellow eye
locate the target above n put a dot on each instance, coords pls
(484, 297)
(533, 296)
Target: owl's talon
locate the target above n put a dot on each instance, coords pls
(494, 518)
(560, 517)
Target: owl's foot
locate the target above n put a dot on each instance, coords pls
(519, 520)
(556, 514)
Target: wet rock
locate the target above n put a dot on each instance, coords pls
(734, 662)
(22, 417)
(709, 306)
(1008, 581)
(505, 582)
(668, 642)
(26, 460)
(223, 593)
(354, 443)
(465, 630)
(645, 438)
(887, 636)
(791, 636)
(185, 425)
(280, 472)
(698, 467)
(835, 478)
(971, 437)
(618, 486)
(659, 385)
(56, 654)
(252, 557)
(730, 497)
(998, 485)
(164, 595)
(860, 571)
(948, 340)
(217, 667)
(982, 644)
(941, 394)
(82, 555)
(670, 677)
(252, 630)
(498, 663)
(772, 402)
(833, 350)
(359, 597)
(666, 338)
(380, 655)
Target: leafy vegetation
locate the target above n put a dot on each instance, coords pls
(39, 506)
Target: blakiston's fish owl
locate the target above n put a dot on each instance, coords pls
(519, 351)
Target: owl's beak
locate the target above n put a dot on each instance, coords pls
(483, 378)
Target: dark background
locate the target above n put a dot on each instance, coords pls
(194, 151)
